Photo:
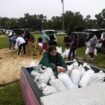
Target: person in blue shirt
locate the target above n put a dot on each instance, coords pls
(45, 40)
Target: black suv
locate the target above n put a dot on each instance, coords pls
(82, 38)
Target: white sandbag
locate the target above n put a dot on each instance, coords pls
(48, 90)
(66, 53)
(16, 46)
(34, 73)
(86, 79)
(95, 52)
(87, 51)
(98, 77)
(58, 84)
(88, 66)
(75, 65)
(42, 78)
(75, 76)
(50, 73)
(70, 67)
(41, 86)
(66, 80)
(82, 70)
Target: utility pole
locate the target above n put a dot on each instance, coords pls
(63, 23)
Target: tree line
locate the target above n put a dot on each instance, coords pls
(74, 21)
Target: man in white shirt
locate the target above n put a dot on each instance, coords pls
(21, 44)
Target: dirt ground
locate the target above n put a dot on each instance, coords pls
(11, 63)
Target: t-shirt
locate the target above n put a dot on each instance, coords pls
(45, 38)
(20, 41)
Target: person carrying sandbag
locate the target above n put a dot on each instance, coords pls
(91, 48)
(21, 44)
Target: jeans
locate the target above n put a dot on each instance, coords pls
(24, 48)
(71, 54)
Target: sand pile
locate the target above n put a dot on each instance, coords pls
(10, 65)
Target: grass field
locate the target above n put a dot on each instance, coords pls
(11, 94)
(4, 42)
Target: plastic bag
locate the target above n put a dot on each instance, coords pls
(87, 51)
(58, 84)
(42, 78)
(87, 66)
(82, 70)
(75, 76)
(98, 77)
(66, 80)
(48, 90)
(50, 73)
(86, 79)
(66, 53)
(34, 73)
(75, 65)
(95, 52)
(16, 46)
(41, 85)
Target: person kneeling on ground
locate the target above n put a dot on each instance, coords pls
(21, 44)
(51, 58)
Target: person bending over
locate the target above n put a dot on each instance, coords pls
(51, 58)
(21, 44)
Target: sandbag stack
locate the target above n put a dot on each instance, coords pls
(77, 75)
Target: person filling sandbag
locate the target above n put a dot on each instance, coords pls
(21, 44)
(51, 58)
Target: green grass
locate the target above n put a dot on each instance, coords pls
(11, 95)
(99, 60)
(4, 42)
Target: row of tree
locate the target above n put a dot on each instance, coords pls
(73, 22)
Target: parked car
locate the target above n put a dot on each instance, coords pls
(100, 33)
(52, 35)
(82, 38)
(17, 31)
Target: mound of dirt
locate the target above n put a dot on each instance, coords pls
(11, 63)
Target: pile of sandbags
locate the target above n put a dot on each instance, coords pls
(83, 75)
(77, 75)
(64, 53)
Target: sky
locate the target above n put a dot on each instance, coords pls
(49, 8)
